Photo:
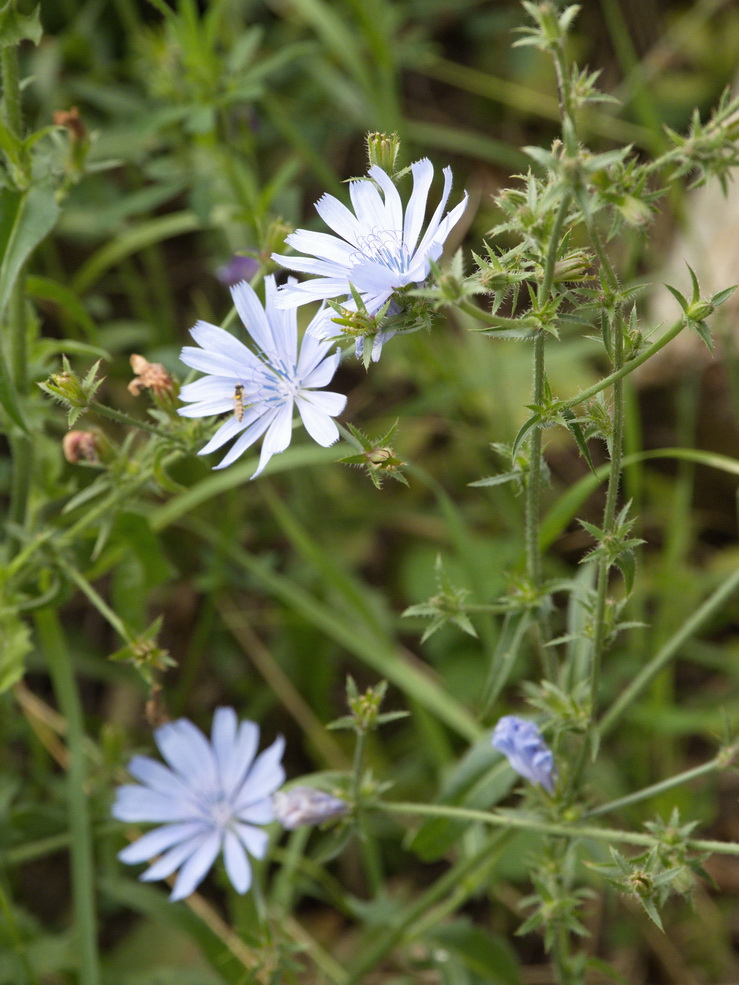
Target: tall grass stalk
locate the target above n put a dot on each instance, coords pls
(54, 645)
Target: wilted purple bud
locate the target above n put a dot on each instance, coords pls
(306, 805)
(527, 752)
(237, 269)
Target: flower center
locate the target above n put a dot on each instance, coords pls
(276, 382)
(221, 813)
(384, 246)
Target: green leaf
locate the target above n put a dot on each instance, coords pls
(484, 953)
(25, 220)
(15, 644)
(16, 27)
(534, 421)
(46, 289)
(575, 430)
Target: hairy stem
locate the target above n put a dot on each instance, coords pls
(522, 822)
(609, 516)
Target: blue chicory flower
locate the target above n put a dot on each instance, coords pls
(209, 799)
(260, 391)
(528, 754)
(378, 248)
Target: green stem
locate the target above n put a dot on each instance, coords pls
(533, 478)
(11, 90)
(368, 847)
(100, 604)
(647, 674)
(518, 822)
(21, 444)
(121, 418)
(721, 761)
(83, 880)
(609, 516)
(627, 368)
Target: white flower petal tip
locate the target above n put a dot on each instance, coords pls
(257, 390)
(377, 249)
(202, 799)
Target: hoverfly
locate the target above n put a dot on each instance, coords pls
(239, 401)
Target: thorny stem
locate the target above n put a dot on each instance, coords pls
(627, 368)
(509, 819)
(719, 762)
(614, 479)
(372, 865)
(534, 475)
(121, 418)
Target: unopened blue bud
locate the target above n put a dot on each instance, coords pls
(306, 805)
(528, 754)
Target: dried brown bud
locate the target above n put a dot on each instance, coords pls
(71, 119)
(81, 446)
(151, 376)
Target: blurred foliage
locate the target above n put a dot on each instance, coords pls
(209, 129)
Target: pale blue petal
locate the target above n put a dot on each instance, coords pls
(435, 220)
(214, 339)
(261, 812)
(237, 864)
(317, 423)
(284, 324)
(159, 840)
(135, 803)
(265, 776)
(368, 206)
(223, 736)
(322, 372)
(188, 752)
(393, 204)
(423, 173)
(338, 217)
(315, 265)
(154, 774)
(319, 289)
(277, 436)
(254, 839)
(208, 388)
(211, 362)
(252, 314)
(247, 439)
(323, 245)
(166, 864)
(230, 429)
(196, 867)
(207, 408)
(235, 765)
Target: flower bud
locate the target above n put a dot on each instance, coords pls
(71, 119)
(300, 805)
(521, 742)
(154, 377)
(81, 446)
(382, 150)
(238, 268)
